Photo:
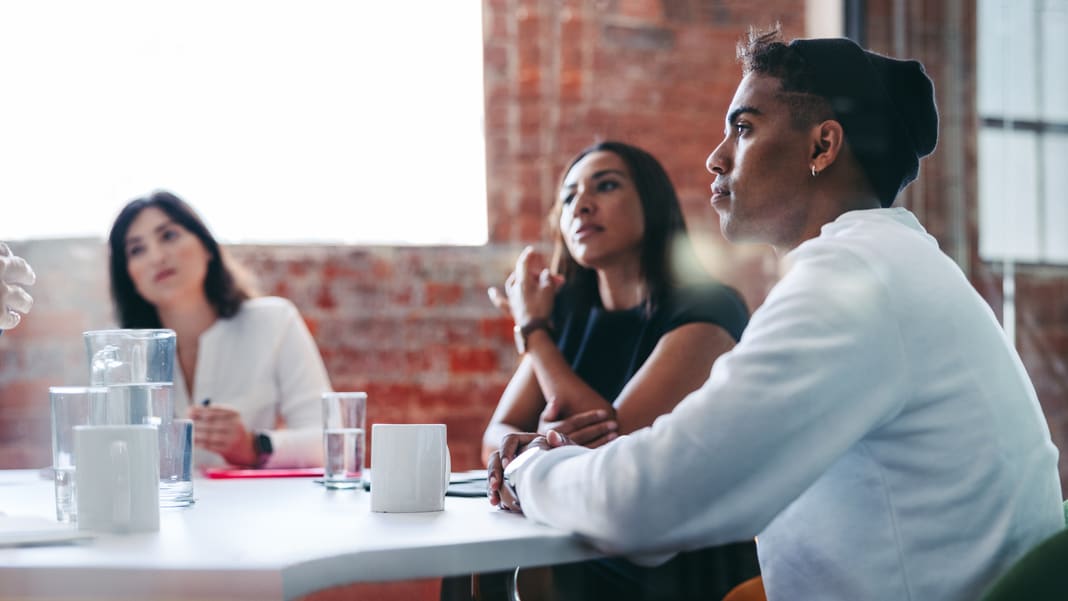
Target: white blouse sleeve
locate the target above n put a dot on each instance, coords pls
(776, 412)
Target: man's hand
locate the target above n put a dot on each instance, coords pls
(219, 428)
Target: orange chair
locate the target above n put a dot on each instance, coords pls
(750, 590)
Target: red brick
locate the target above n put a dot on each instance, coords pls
(496, 328)
(297, 269)
(501, 228)
(438, 294)
(530, 83)
(472, 360)
(641, 9)
(465, 441)
(531, 228)
(25, 397)
(401, 298)
(21, 455)
(334, 269)
(325, 300)
(571, 83)
(408, 590)
(312, 324)
(381, 269)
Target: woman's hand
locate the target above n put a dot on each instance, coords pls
(530, 290)
(591, 428)
(219, 429)
(511, 446)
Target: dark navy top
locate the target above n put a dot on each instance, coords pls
(606, 348)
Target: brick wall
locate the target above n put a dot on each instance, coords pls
(412, 326)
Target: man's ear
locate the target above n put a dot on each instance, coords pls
(828, 140)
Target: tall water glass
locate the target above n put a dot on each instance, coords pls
(71, 406)
(130, 356)
(176, 463)
(343, 438)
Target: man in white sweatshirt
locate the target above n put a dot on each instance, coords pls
(873, 427)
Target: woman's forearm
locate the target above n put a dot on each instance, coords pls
(558, 382)
(491, 439)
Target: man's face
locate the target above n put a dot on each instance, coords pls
(762, 168)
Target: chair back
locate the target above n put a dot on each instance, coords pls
(1040, 575)
(750, 590)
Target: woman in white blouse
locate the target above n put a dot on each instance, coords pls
(249, 372)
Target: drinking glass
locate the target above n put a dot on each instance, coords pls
(343, 438)
(176, 463)
(71, 406)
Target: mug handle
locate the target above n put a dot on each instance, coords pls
(120, 469)
(448, 472)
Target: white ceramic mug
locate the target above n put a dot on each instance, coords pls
(117, 477)
(409, 467)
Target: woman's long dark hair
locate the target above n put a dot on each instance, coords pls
(665, 239)
(224, 289)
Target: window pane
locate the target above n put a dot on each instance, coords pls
(1055, 61)
(279, 120)
(1006, 47)
(1055, 168)
(1008, 201)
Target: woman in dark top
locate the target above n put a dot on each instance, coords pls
(622, 327)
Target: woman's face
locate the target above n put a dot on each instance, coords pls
(601, 216)
(167, 263)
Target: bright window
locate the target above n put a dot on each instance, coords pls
(279, 120)
(1023, 135)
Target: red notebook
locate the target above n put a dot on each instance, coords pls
(295, 472)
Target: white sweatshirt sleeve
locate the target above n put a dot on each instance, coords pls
(819, 366)
(301, 381)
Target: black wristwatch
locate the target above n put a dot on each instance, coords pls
(261, 445)
(523, 332)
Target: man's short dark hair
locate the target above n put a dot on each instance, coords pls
(765, 53)
(885, 105)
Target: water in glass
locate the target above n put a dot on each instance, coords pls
(343, 451)
(65, 509)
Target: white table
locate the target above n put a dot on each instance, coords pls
(270, 539)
